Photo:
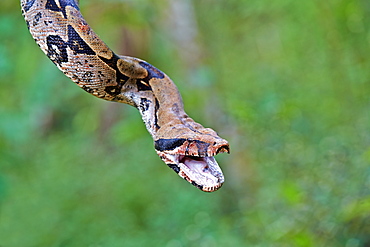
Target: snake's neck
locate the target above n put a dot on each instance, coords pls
(160, 104)
(184, 145)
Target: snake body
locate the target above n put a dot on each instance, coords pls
(184, 145)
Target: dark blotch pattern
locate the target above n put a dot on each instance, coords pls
(168, 144)
(65, 3)
(156, 108)
(174, 167)
(112, 90)
(37, 19)
(171, 144)
(28, 5)
(51, 5)
(121, 79)
(144, 104)
(57, 49)
(153, 72)
(88, 76)
(111, 62)
(77, 44)
(47, 23)
(143, 86)
(197, 185)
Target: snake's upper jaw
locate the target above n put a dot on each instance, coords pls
(191, 160)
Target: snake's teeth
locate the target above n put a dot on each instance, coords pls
(211, 189)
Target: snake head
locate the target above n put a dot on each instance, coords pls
(193, 159)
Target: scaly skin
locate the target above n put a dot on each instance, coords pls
(184, 145)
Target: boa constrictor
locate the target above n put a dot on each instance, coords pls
(184, 145)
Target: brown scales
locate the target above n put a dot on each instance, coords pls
(61, 32)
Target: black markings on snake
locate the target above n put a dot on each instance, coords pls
(37, 19)
(47, 23)
(51, 5)
(87, 76)
(28, 5)
(57, 49)
(144, 104)
(143, 85)
(65, 3)
(174, 167)
(197, 185)
(77, 44)
(153, 72)
(156, 108)
(121, 79)
(168, 144)
(113, 90)
(171, 144)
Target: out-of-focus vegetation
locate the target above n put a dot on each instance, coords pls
(286, 82)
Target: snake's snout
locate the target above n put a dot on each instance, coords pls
(193, 159)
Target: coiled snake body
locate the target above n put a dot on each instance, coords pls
(184, 145)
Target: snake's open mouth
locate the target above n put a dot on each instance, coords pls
(202, 172)
(194, 161)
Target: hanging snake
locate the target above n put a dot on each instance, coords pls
(184, 145)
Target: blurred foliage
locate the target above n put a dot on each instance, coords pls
(286, 82)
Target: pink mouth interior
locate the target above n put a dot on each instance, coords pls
(198, 164)
(203, 172)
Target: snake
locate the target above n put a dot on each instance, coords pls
(187, 147)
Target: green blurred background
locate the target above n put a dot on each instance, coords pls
(287, 82)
